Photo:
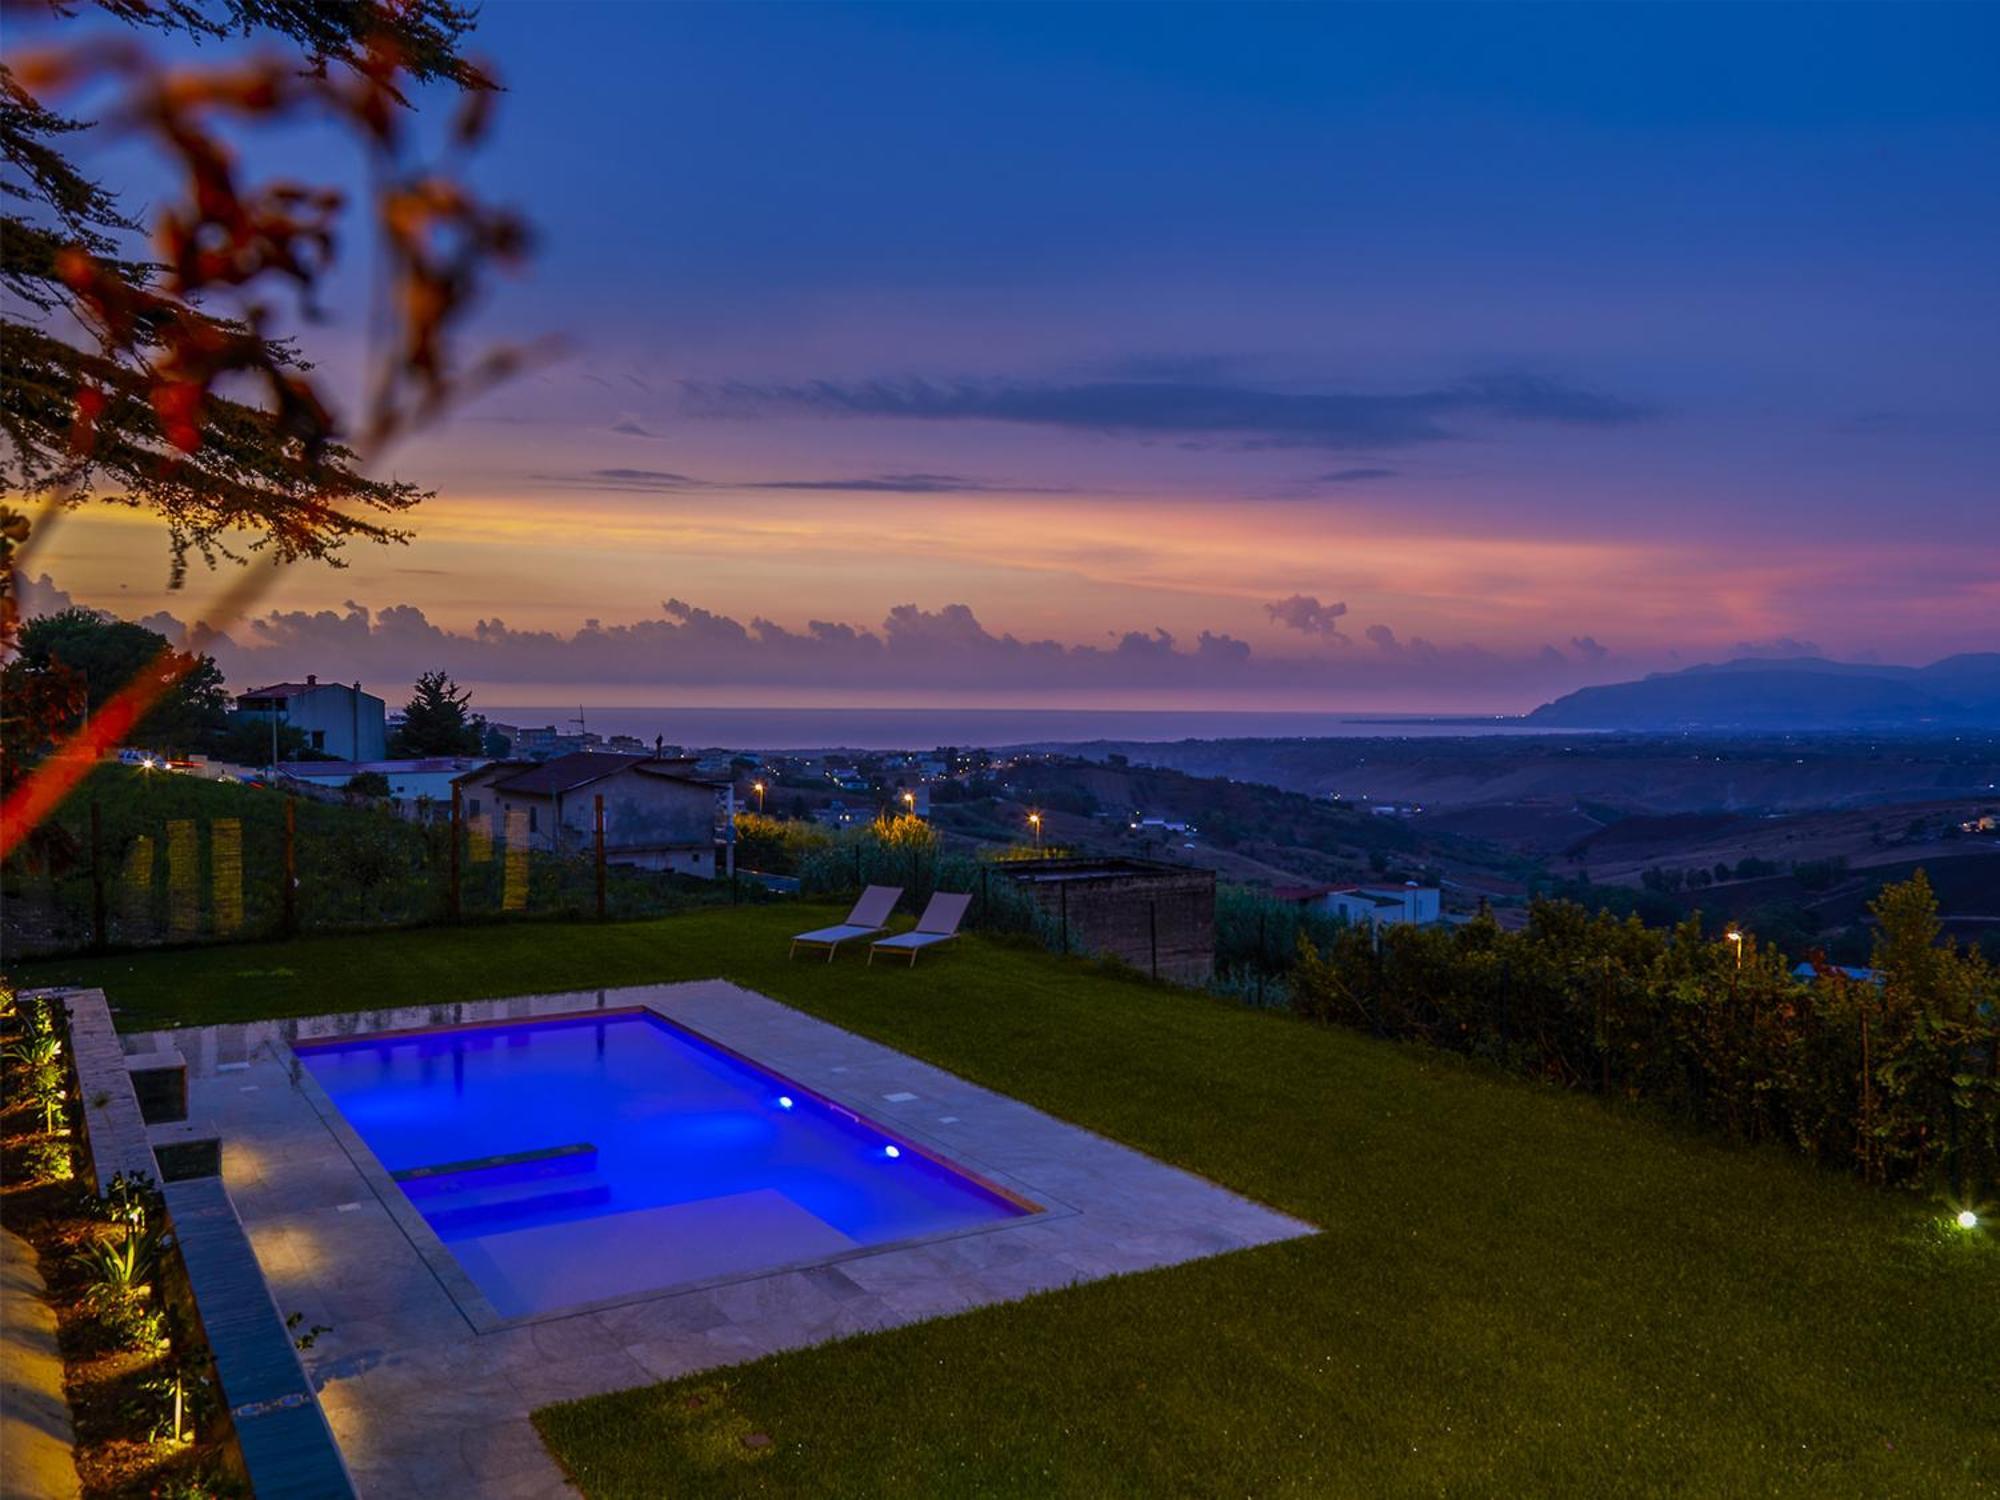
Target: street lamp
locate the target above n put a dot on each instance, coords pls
(910, 802)
(1735, 935)
(1035, 822)
(758, 788)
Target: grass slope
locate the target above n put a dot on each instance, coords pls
(1514, 1291)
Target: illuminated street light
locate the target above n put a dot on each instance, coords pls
(1736, 936)
(1035, 822)
(758, 788)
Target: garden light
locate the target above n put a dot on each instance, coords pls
(1967, 1219)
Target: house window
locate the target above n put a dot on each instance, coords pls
(475, 807)
(319, 739)
(534, 820)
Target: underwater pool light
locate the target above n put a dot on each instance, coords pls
(892, 1151)
(784, 1101)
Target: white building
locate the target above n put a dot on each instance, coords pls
(657, 814)
(1409, 904)
(335, 719)
(414, 785)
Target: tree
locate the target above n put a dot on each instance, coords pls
(110, 384)
(1907, 930)
(248, 740)
(104, 654)
(169, 385)
(367, 784)
(437, 720)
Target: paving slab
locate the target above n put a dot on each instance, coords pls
(36, 1438)
(428, 1390)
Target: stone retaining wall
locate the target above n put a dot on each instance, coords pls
(278, 1438)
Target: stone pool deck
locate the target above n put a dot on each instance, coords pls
(429, 1393)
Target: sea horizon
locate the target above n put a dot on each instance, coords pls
(753, 728)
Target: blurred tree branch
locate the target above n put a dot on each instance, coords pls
(153, 381)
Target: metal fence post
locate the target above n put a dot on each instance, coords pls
(100, 931)
(454, 901)
(599, 853)
(288, 914)
(1062, 898)
(1153, 935)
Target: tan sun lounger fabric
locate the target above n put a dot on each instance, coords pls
(938, 924)
(870, 914)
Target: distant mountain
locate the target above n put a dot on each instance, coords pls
(1960, 692)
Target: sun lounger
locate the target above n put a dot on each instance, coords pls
(938, 924)
(870, 916)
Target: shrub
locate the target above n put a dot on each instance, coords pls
(777, 846)
(1897, 1081)
(892, 853)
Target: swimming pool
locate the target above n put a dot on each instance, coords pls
(579, 1159)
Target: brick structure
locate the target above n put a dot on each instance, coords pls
(1158, 918)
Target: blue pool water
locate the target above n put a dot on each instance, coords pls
(574, 1160)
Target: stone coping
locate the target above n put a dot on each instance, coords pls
(287, 1447)
(113, 1127)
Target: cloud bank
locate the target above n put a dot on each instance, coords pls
(1246, 416)
(947, 650)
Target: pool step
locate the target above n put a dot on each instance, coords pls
(578, 1157)
(490, 1212)
(495, 1191)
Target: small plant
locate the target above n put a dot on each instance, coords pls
(48, 1088)
(132, 1201)
(120, 1269)
(310, 1337)
(129, 1321)
(49, 1161)
(35, 1050)
(172, 1404)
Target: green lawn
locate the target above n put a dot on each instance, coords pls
(1515, 1292)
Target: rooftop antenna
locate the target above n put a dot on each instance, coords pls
(578, 722)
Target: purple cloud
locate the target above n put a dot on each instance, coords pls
(1304, 613)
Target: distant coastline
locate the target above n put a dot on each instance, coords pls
(921, 728)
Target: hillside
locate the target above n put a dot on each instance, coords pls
(1653, 773)
(1810, 693)
(1244, 830)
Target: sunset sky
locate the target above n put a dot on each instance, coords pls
(1414, 358)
